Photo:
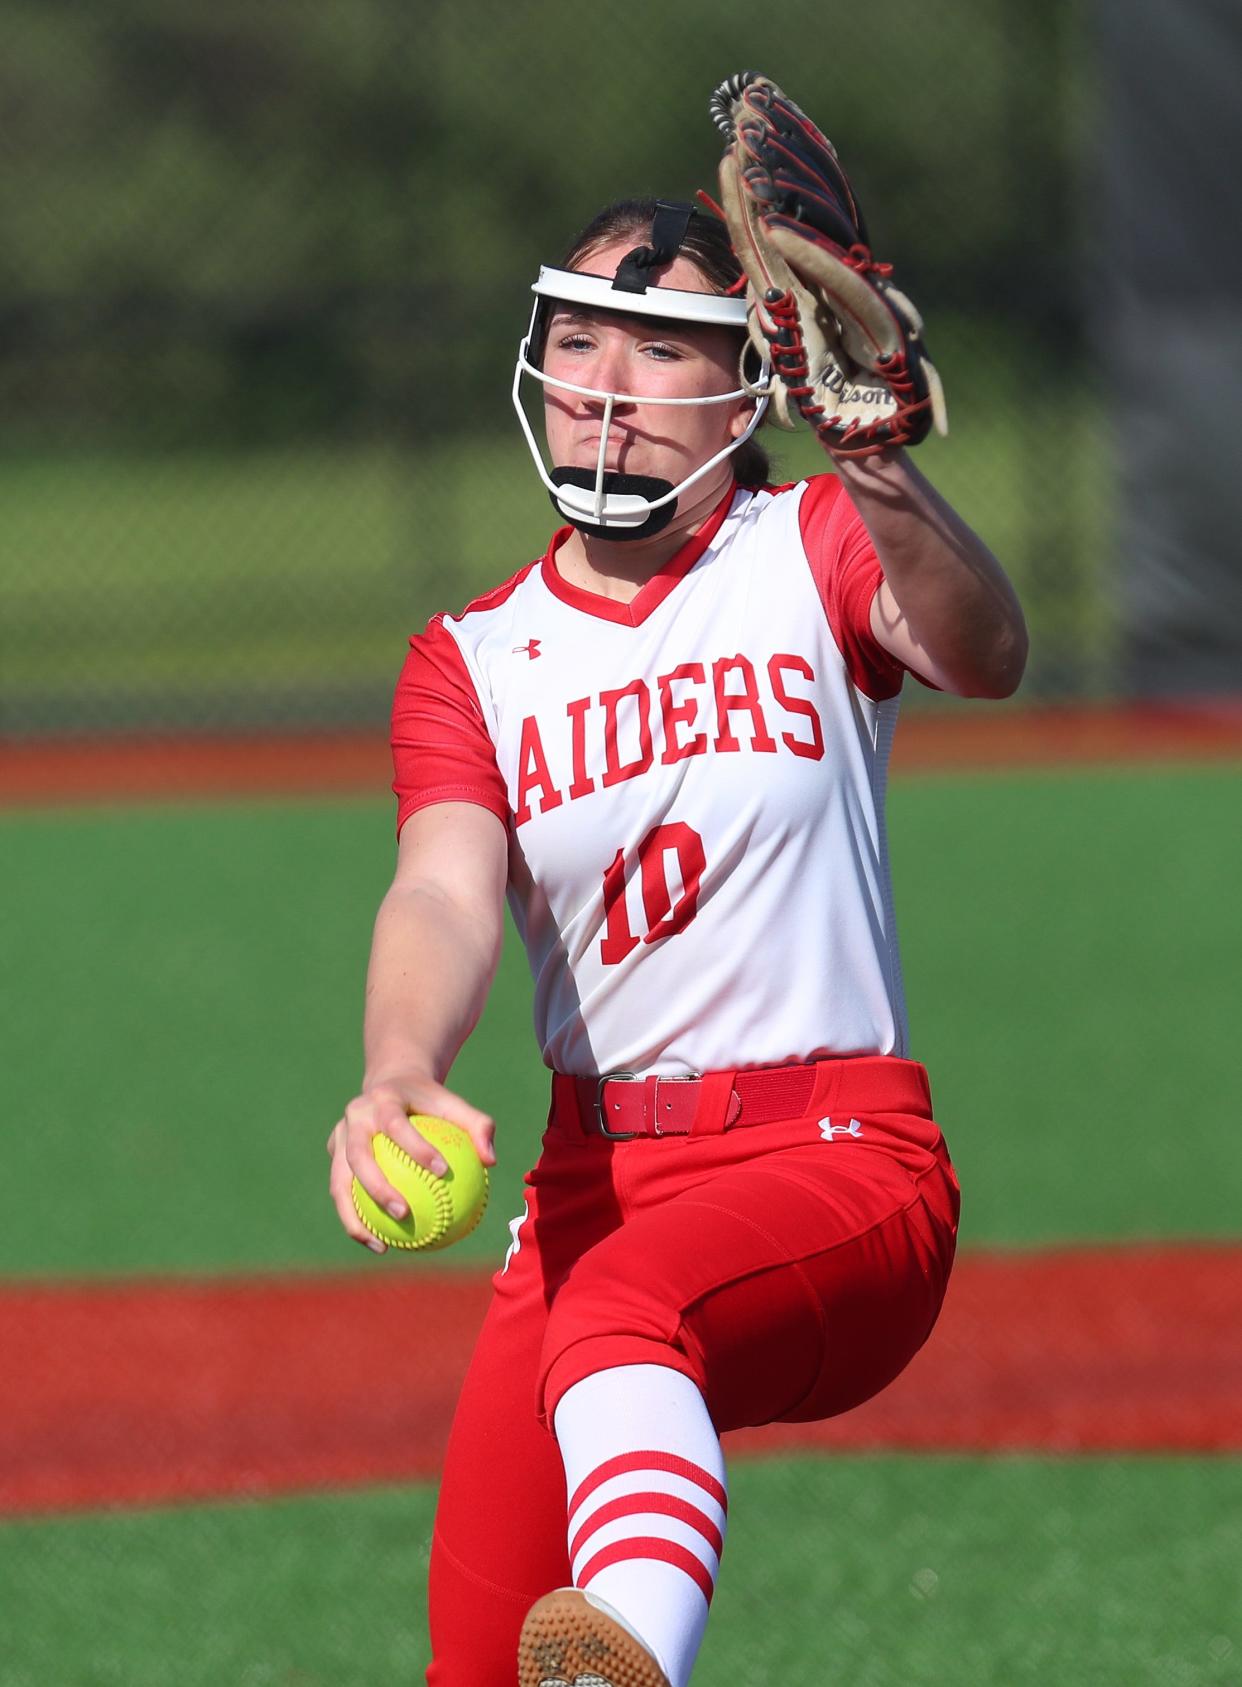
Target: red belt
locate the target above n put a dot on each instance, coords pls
(621, 1105)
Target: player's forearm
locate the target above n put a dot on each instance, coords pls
(432, 964)
(956, 599)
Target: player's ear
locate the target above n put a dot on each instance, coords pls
(741, 418)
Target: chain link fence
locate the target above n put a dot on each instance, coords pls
(266, 270)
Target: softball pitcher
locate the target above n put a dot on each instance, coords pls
(665, 741)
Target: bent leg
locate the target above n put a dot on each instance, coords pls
(792, 1286)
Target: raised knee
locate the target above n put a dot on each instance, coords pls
(596, 1324)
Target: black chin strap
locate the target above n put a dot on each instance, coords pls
(646, 486)
(668, 230)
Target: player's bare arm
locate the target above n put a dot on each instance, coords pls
(946, 608)
(433, 957)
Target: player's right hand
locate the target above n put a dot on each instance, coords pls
(384, 1109)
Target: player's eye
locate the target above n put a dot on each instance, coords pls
(662, 352)
(573, 342)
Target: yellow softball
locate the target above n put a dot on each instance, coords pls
(442, 1209)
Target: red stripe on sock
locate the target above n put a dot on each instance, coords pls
(639, 1547)
(669, 1463)
(666, 1505)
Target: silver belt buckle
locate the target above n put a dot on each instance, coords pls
(613, 1078)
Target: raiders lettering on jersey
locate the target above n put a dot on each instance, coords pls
(689, 711)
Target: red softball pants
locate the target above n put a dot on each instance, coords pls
(790, 1269)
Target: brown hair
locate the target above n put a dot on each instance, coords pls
(706, 245)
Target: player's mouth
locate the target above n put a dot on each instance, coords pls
(586, 451)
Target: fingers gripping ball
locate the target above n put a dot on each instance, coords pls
(442, 1209)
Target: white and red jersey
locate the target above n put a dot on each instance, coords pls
(693, 784)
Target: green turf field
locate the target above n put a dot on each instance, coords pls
(184, 1026)
(182, 1029)
(874, 1572)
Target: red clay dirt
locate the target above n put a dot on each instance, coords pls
(163, 1392)
(44, 771)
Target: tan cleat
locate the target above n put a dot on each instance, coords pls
(573, 1639)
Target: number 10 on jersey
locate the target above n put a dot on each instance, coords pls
(664, 917)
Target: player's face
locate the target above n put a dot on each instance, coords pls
(641, 356)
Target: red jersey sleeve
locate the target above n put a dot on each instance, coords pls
(441, 748)
(847, 574)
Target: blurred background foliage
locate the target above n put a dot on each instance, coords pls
(266, 268)
(243, 224)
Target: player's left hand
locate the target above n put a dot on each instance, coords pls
(845, 343)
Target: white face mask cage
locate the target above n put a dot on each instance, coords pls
(626, 510)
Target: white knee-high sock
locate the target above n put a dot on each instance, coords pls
(645, 1477)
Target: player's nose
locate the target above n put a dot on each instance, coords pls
(609, 371)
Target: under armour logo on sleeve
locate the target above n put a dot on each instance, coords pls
(531, 649)
(828, 1130)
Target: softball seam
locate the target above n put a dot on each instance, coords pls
(440, 1195)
